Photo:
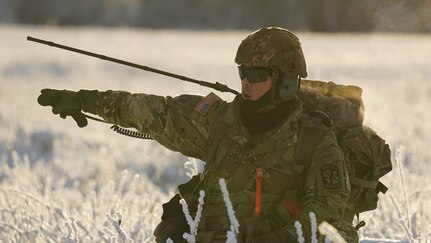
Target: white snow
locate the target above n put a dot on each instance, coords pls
(234, 224)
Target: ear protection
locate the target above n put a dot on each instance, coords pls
(288, 86)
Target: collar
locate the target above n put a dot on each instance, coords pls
(287, 127)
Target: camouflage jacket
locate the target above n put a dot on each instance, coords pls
(210, 129)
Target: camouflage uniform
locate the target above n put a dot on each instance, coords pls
(210, 129)
(214, 131)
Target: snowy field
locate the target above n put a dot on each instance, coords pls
(58, 181)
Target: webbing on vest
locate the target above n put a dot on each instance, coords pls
(309, 137)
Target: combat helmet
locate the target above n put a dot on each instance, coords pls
(276, 48)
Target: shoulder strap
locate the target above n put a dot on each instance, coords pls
(311, 129)
(306, 145)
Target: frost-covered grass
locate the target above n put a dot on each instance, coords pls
(59, 182)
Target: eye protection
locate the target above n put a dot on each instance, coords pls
(254, 74)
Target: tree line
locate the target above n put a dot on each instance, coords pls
(307, 15)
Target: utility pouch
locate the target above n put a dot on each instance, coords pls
(173, 208)
(191, 186)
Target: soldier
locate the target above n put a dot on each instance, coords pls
(260, 135)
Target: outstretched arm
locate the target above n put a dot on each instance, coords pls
(176, 123)
(180, 123)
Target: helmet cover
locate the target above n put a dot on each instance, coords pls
(273, 46)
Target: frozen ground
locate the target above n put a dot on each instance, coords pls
(54, 175)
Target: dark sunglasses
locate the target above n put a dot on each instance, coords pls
(254, 74)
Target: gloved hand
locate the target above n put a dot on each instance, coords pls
(70, 103)
(276, 237)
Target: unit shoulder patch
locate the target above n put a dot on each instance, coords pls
(184, 98)
(331, 176)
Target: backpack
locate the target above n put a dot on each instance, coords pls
(367, 156)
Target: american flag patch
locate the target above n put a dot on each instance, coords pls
(206, 103)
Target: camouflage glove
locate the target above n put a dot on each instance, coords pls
(347, 231)
(276, 237)
(70, 103)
